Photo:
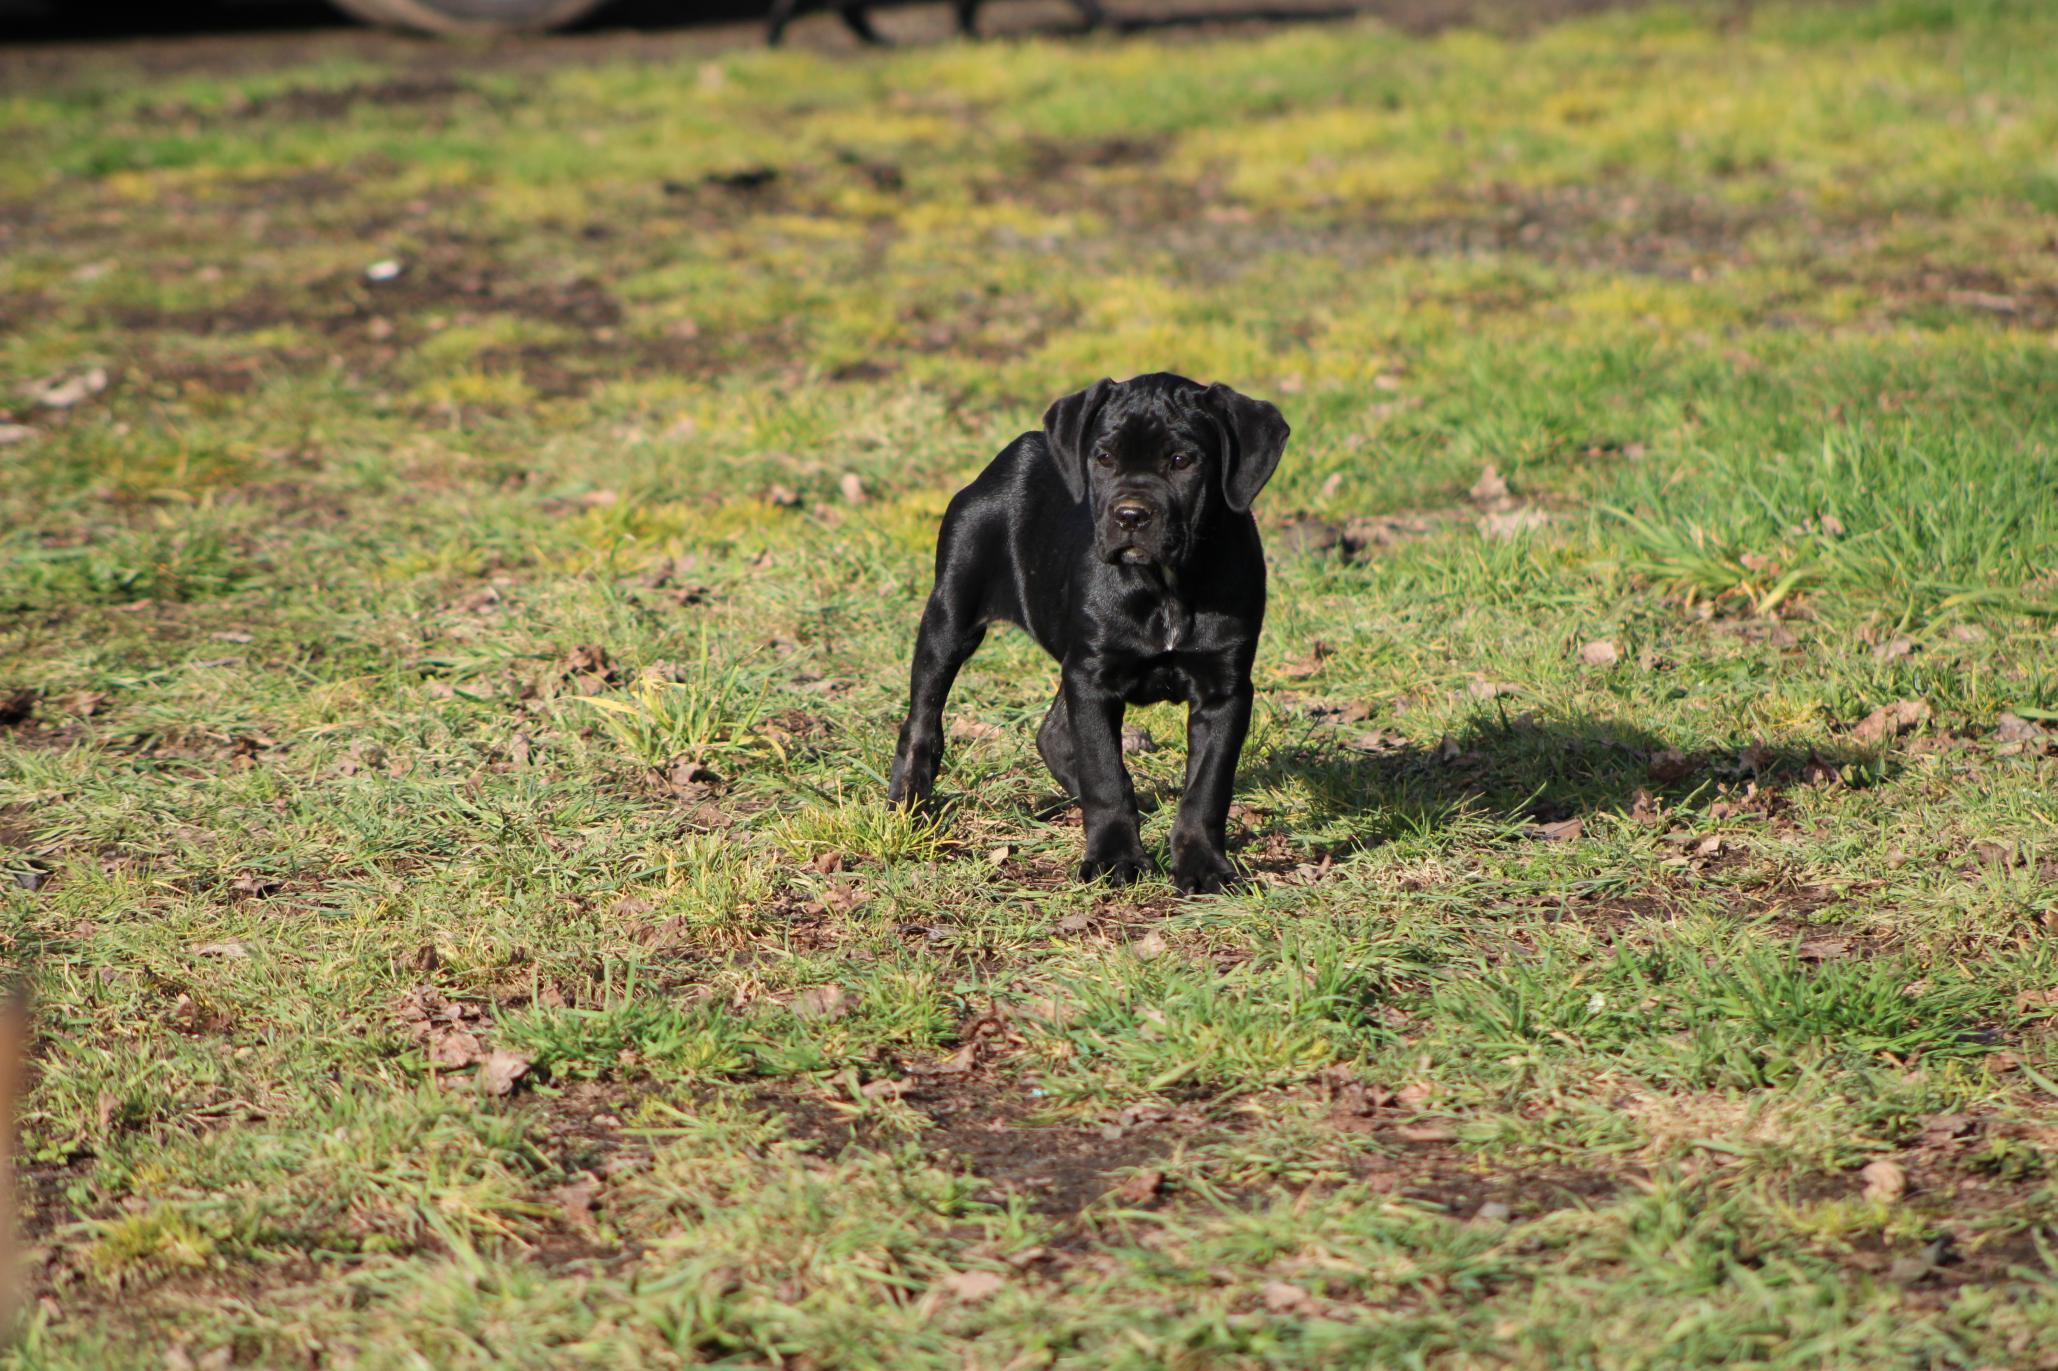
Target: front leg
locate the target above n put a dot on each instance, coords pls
(1215, 729)
(1114, 847)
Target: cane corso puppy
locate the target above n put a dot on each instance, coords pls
(1121, 538)
(858, 20)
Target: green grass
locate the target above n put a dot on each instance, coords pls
(510, 628)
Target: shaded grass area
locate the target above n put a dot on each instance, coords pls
(462, 538)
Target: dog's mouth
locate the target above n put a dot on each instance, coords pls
(1129, 554)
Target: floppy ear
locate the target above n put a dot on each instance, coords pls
(1065, 426)
(1255, 436)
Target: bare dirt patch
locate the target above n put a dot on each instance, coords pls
(990, 1128)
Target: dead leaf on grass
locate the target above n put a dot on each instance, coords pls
(887, 1087)
(502, 1070)
(1885, 1181)
(1600, 652)
(1941, 1130)
(63, 392)
(1563, 831)
(1892, 720)
(1490, 486)
(852, 487)
(1309, 662)
(1512, 523)
(970, 1287)
(1140, 1187)
(1283, 1297)
(824, 1002)
(1669, 765)
(232, 950)
(575, 1201)
(1149, 947)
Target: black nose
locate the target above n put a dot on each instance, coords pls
(1131, 517)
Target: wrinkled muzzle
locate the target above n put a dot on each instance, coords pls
(1138, 526)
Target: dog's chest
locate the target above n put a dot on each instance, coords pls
(1169, 627)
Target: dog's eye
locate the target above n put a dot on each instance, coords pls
(1104, 458)
(1181, 461)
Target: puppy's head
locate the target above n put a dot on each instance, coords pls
(1155, 457)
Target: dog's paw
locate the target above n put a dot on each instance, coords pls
(1203, 873)
(1122, 869)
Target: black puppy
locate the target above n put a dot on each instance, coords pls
(1121, 538)
(860, 23)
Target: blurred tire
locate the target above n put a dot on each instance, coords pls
(470, 16)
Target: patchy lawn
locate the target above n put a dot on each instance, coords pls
(463, 520)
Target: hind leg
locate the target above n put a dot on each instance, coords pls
(1060, 753)
(782, 15)
(859, 22)
(949, 634)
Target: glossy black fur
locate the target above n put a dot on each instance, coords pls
(1121, 538)
(856, 16)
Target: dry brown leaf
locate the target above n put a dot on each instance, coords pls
(853, 487)
(1600, 652)
(575, 1201)
(1512, 523)
(1885, 1181)
(1824, 949)
(957, 1063)
(1890, 721)
(1563, 831)
(1425, 1132)
(62, 392)
(785, 497)
(887, 1087)
(1490, 486)
(970, 1287)
(1140, 1187)
(1283, 1297)
(824, 1002)
(1149, 947)
(1669, 765)
(455, 1047)
(502, 1070)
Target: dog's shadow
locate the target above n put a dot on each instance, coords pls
(1337, 792)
